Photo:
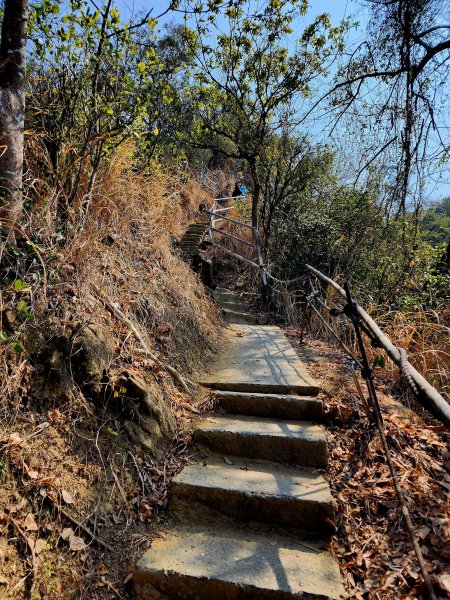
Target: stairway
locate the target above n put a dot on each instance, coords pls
(193, 236)
(235, 310)
(251, 518)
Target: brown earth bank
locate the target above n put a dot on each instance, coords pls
(100, 336)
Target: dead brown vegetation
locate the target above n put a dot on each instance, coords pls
(91, 428)
(372, 544)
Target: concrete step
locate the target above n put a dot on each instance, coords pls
(276, 406)
(219, 563)
(224, 295)
(292, 442)
(241, 318)
(236, 305)
(254, 490)
(258, 359)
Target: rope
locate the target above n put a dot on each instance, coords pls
(405, 369)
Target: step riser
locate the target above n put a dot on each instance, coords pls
(308, 453)
(289, 512)
(170, 587)
(227, 297)
(243, 318)
(275, 407)
(239, 318)
(234, 306)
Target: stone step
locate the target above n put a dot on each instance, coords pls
(190, 238)
(223, 295)
(276, 406)
(258, 359)
(237, 306)
(219, 563)
(254, 490)
(242, 318)
(292, 442)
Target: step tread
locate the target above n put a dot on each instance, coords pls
(258, 358)
(256, 478)
(218, 562)
(250, 425)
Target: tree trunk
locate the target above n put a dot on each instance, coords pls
(255, 196)
(12, 109)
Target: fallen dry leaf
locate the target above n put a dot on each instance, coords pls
(76, 543)
(40, 545)
(67, 533)
(30, 523)
(67, 497)
(227, 461)
(444, 581)
(17, 507)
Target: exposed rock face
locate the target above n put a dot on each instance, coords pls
(150, 398)
(91, 355)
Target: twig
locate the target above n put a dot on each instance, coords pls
(117, 311)
(139, 473)
(116, 479)
(33, 555)
(81, 526)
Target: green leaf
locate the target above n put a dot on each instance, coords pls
(379, 362)
(18, 347)
(20, 285)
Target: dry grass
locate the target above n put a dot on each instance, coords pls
(425, 335)
(119, 246)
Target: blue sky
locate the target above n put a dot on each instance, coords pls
(338, 9)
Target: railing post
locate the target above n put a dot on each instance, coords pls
(260, 259)
(211, 230)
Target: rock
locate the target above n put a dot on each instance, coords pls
(90, 359)
(150, 442)
(150, 398)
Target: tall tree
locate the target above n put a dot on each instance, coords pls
(394, 85)
(12, 109)
(250, 75)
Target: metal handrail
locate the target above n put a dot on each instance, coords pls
(233, 237)
(230, 198)
(215, 215)
(428, 396)
(212, 213)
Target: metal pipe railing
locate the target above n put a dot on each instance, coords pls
(212, 213)
(428, 396)
(233, 237)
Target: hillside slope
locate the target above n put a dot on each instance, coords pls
(92, 425)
